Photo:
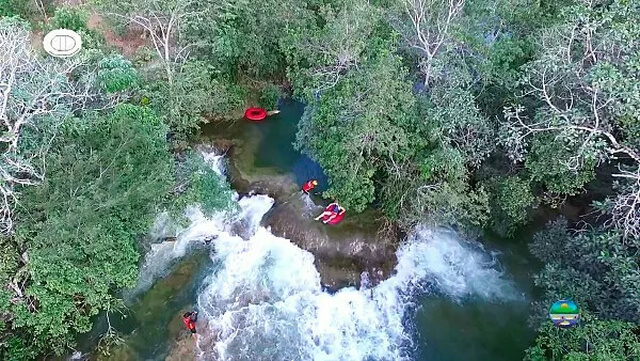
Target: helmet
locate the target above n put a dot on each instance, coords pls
(315, 182)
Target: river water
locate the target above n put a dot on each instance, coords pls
(260, 296)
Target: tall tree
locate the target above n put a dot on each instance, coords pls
(320, 55)
(356, 128)
(600, 272)
(35, 96)
(427, 27)
(182, 90)
(106, 174)
(586, 85)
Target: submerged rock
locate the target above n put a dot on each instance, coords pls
(121, 352)
(184, 349)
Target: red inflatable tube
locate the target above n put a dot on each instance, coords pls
(335, 220)
(255, 114)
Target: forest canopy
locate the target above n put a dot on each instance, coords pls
(465, 113)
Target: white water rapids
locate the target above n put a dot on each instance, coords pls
(263, 299)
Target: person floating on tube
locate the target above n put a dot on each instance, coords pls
(332, 211)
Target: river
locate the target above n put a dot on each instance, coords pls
(261, 297)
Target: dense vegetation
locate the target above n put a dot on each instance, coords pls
(464, 112)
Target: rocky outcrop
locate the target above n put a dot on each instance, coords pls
(342, 251)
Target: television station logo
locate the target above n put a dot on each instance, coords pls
(564, 313)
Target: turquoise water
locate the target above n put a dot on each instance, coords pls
(276, 150)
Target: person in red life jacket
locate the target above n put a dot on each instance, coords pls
(331, 212)
(308, 187)
(189, 319)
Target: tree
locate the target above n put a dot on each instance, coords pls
(115, 73)
(600, 271)
(106, 175)
(427, 26)
(319, 57)
(197, 184)
(242, 38)
(512, 203)
(594, 339)
(585, 83)
(161, 20)
(434, 188)
(356, 128)
(35, 96)
(169, 88)
(595, 268)
(457, 122)
(24, 9)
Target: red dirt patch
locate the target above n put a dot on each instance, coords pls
(128, 44)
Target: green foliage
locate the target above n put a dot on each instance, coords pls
(241, 37)
(340, 39)
(600, 271)
(514, 197)
(21, 8)
(198, 184)
(269, 96)
(456, 121)
(597, 269)
(7, 8)
(441, 194)
(581, 104)
(357, 125)
(105, 177)
(115, 73)
(18, 350)
(75, 18)
(390, 128)
(70, 18)
(197, 93)
(594, 339)
(507, 56)
(447, 202)
(512, 203)
(9, 260)
(547, 163)
(443, 164)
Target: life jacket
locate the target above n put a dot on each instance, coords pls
(308, 186)
(189, 323)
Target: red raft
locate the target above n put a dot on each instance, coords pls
(337, 219)
(255, 114)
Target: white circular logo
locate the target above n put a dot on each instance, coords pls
(62, 43)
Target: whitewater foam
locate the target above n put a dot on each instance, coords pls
(264, 301)
(442, 262)
(162, 255)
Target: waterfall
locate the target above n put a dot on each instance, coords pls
(263, 299)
